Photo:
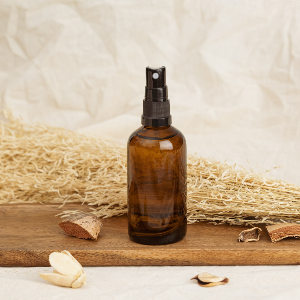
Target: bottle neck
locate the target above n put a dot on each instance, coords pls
(157, 128)
(156, 122)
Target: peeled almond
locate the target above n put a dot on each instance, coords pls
(79, 282)
(209, 280)
(206, 277)
(211, 284)
(58, 279)
(73, 258)
(64, 264)
(67, 271)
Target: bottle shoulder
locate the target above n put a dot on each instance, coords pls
(168, 136)
(156, 133)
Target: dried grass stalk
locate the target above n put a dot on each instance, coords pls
(43, 164)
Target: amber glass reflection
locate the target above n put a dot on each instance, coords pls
(156, 164)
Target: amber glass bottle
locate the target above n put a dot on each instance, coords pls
(156, 170)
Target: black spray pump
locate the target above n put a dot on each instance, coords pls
(156, 105)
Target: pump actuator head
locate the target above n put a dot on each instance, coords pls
(156, 105)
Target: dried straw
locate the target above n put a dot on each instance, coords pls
(43, 164)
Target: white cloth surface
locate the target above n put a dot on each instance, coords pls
(161, 283)
(233, 71)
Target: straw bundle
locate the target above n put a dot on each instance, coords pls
(43, 164)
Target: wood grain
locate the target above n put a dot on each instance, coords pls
(29, 233)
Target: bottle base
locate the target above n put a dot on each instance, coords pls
(176, 236)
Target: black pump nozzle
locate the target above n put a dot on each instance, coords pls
(155, 77)
(156, 106)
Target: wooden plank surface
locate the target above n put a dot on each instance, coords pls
(29, 233)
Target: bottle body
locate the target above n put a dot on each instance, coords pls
(156, 170)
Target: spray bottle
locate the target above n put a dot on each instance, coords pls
(156, 170)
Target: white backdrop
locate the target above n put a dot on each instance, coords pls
(233, 71)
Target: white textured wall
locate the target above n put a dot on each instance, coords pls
(233, 70)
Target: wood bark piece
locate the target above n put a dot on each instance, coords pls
(280, 231)
(82, 225)
(250, 235)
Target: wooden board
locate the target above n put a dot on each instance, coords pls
(29, 233)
